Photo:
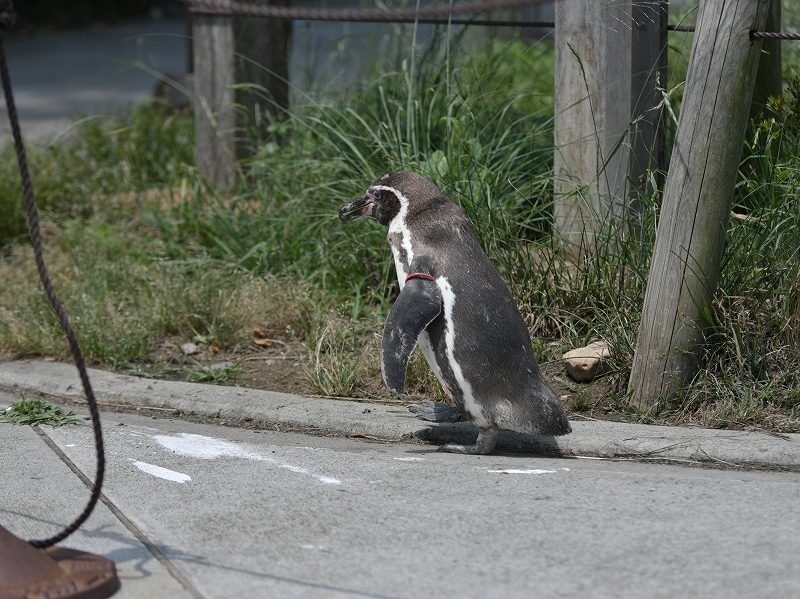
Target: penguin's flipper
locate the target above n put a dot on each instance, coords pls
(418, 304)
(434, 411)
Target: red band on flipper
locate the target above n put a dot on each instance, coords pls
(419, 275)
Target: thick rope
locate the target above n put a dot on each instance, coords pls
(774, 35)
(230, 7)
(7, 17)
(425, 14)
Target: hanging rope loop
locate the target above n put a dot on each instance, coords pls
(7, 18)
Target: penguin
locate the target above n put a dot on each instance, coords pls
(456, 307)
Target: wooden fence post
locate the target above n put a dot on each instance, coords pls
(214, 117)
(262, 64)
(608, 60)
(769, 77)
(697, 199)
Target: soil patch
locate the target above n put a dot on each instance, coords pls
(283, 366)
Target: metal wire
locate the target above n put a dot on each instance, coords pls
(7, 17)
(484, 22)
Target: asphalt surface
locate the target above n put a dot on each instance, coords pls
(62, 76)
(365, 507)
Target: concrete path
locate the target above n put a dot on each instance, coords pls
(209, 511)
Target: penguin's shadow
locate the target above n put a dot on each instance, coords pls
(466, 433)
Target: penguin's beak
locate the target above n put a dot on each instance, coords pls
(363, 206)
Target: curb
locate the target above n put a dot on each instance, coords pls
(395, 423)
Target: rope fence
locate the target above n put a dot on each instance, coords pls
(433, 15)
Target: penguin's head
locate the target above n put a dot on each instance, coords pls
(389, 195)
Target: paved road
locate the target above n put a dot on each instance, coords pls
(235, 513)
(62, 75)
(59, 76)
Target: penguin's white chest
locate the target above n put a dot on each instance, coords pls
(400, 267)
(402, 247)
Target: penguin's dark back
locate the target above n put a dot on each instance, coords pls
(443, 235)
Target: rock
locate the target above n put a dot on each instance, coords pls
(585, 363)
(260, 337)
(190, 349)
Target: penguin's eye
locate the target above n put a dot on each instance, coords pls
(377, 195)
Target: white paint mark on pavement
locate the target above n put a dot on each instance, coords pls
(177, 477)
(208, 448)
(516, 471)
(410, 459)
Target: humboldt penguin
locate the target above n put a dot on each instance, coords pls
(456, 307)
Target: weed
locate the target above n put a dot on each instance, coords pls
(333, 367)
(35, 411)
(139, 371)
(219, 374)
(420, 379)
(582, 401)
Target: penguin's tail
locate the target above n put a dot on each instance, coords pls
(548, 414)
(556, 425)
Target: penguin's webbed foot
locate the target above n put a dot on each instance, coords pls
(433, 411)
(487, 438)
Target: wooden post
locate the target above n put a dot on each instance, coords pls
(769, 77)
(697, 199)
(214, 118)
(608, 60)
(648, 74)
(262, 65)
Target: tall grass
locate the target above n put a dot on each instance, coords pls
(486, 142)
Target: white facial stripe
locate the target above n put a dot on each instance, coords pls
(471, 406)
(398, 225)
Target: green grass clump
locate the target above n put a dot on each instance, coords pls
(219, 374)
(99, 166)
(333, 364)
(478, 129)
(35, 411)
